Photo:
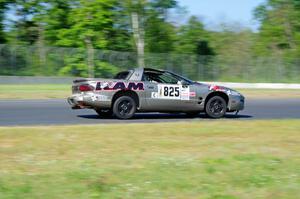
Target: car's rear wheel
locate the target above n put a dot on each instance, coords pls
(216, 107)
(124, 107)
(104, 112)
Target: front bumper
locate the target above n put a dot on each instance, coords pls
(236, 103)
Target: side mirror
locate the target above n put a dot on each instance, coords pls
(183, 83)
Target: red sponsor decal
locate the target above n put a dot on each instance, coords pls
(192, 94)
(216, 88)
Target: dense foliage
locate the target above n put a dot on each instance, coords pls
(86, 29)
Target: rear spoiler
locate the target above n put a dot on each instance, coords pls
(81, 80)
(90, 79)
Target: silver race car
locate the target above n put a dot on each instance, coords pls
(151, 90)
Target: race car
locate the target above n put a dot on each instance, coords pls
(152, 90)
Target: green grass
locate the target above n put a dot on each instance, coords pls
(217, 159)
(270, 93)
(39, 91)
(59, 91)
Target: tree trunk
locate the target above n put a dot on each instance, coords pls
(138, 34)
(41, 48)
(90, 57)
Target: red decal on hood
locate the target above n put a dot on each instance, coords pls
(217, 88)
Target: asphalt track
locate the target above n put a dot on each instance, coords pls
(58, 112)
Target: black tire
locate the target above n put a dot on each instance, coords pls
(124, 107)
(106, 113)
(216, 107)
(192, 114)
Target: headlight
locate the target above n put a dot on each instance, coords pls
(234, 93)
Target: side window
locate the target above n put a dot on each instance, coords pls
(122, 75)
(152, 77)
(169, 78)
(163, 78)
(178, 79)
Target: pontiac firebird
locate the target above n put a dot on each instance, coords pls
(151, 90)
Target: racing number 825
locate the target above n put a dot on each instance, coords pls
(171, 91)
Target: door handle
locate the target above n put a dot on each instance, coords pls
(150, 87)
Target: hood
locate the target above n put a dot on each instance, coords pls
(214, 87)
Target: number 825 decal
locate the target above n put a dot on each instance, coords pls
(169, 91)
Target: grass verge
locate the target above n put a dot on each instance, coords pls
(39, 91)
(218, 159)
(270, 93)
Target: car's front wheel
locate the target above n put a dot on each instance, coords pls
(124, 107)
(216, 107)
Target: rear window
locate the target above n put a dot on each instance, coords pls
(122, 75)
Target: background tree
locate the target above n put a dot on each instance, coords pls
(88, 28)
(3, 9)
(136, 10)
(149, 26)
(56, 18)
(91, 24)
(193, 38)
(280, 28)
(24, 30)
(160, 34)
